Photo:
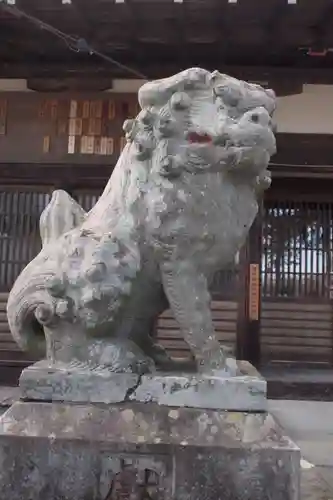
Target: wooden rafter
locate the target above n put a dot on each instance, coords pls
(322, 27)
(244, 33)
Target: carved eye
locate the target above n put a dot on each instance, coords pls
(255, 118)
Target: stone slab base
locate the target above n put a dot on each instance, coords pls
(57, 451)
(246, 391)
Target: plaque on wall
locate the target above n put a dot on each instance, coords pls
(95, 126)
(90, 145)
(73, 109)
(54, 109)
(97, 146)
(84, 145)
(46, 144)
(96, 108)
(85, 109)
(71, 144)
(109, 146)
(104, 144)
(111, 110)
(75, 126)
(3, 116)
(254, 292)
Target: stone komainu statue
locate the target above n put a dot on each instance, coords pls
(177, 208)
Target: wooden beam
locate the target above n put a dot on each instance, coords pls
(322, 27)
(153, 69)
(304, 151)
(273, 24)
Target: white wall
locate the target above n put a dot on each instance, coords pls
(308, 113)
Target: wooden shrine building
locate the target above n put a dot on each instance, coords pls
(64, 97)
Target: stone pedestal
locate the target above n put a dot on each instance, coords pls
(244, 391)
(61, 451)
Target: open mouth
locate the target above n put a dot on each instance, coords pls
(199, 138)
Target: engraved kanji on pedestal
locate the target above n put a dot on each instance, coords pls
(133, 483)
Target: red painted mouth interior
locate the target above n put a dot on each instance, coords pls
(195, 137)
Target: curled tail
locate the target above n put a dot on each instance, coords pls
(29, 304)
(80, 276)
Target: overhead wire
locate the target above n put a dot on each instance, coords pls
(74, 43)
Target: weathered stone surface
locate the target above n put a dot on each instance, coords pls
(245, 391)
(85, 452)
(213, 392)
(242, 391)
(178, 207)
(59, 382)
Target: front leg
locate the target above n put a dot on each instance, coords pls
(187, 292)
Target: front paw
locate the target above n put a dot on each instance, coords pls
(212, 360)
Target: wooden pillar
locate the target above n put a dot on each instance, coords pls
(248, 325)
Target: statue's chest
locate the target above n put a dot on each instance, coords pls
(222, 208)
(210, 210)
(227, 222)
